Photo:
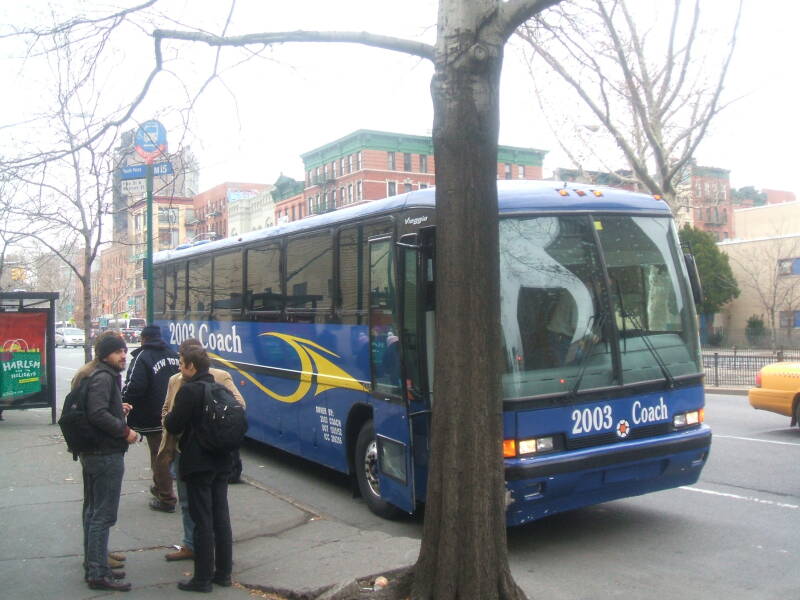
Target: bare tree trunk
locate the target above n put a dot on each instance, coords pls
(464, 553)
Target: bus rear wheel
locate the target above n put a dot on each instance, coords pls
(366, 466)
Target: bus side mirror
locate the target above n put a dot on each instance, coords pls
(694, 278)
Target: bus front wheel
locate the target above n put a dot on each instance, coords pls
(366, 466)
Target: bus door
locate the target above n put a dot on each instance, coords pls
(418, 328)
(390, 409)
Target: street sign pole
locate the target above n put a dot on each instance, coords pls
(150, 143)
(148, 261)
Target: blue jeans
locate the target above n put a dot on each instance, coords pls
(183, 500)
(102, 485)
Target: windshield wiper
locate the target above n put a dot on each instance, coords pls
(645, 338)
(643, 335)
(587, 352)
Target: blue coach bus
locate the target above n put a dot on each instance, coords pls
(327, 325)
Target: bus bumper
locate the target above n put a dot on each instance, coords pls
(543, 486)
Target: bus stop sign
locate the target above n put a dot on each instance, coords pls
(151, 141)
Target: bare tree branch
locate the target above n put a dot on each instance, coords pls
(353, 37)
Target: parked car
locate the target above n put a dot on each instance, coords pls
(132, 336)
(70, 336)
(778, 390)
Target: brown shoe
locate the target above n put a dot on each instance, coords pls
(183, 553)
(114, 563)
(117, 556)
(109, 584)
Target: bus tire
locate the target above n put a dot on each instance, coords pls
(366, 468)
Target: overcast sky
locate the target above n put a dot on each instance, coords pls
(256, 121)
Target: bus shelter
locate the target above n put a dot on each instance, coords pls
(27, 351)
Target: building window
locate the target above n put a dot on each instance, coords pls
(521, 171)
(350, 163)
(423, 163)
(508, 170)
(407, 161)
(325, 171)
(423, 186)
(358, 161)
(392, 164)
(790, 319)
(350, 194)
(391, 187)
(333, 169)
(333, 198)
(789, 266)
(407, 187)
(342, 196)
(358, 190)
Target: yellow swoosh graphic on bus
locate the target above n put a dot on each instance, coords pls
(328, 375)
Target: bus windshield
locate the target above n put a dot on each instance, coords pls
(569, 325)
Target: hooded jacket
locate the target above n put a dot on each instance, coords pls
(146, 384)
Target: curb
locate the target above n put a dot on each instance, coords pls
(727, 391)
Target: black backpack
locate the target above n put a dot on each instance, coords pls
(78, 432)
(224, 422)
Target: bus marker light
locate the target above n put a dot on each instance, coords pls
(564, 192)
(509, 448)
(597, 193)
(580, 192)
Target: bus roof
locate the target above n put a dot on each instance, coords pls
(514, 196)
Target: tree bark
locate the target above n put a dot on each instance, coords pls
(464, 553)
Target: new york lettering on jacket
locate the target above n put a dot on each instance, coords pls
(146, 384)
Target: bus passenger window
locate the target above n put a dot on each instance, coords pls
(227, 286)
(353, 286)
(200, 287)
(263, 295)
(309, 272)
(159, 291)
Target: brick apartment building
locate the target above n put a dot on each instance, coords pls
(211, 206)
(368, 165)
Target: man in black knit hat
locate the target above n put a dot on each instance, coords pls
(145, 389)
(103, 466)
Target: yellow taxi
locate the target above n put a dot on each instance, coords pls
(778, 390)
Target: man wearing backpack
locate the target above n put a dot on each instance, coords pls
(206, 476)
(145, 387)
(103, 465)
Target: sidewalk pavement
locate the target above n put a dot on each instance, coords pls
(279, 545)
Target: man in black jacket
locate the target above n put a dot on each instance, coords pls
(206, 475)
(145, 389)
(104, 466)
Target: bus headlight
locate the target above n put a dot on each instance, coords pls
(512, 448)
(536, 445)
(693, 417)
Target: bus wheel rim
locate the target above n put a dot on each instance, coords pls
(371, 468)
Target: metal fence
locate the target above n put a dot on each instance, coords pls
(738, 366)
